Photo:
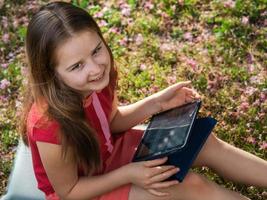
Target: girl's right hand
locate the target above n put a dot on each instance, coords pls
(150, 175)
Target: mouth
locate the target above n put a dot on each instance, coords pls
(98, 78)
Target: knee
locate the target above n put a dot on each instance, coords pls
(214, 142)
(198, 184)
(193, 179)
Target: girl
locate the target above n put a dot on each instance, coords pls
(78, 136)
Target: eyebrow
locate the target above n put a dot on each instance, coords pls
(69, 68)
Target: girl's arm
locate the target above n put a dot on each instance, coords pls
(62, 174)
(125, 117)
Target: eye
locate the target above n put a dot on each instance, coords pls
(97, 50)
(77, 66)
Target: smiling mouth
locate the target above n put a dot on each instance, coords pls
(98, 78)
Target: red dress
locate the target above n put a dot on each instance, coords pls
(115, 151)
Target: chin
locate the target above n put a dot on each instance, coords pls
(101, 86)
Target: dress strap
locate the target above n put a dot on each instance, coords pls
(103, 121)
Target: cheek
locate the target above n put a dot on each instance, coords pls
(76, 80)
(104, 58)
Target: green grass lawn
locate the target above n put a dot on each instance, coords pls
(219, 45)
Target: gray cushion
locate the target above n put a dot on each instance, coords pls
(22, 184)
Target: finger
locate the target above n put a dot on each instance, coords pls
(157, 193)
(190, 91)
(156, 162)
(195, 94)
(189, 99)
(163, 176)
(195, 97)
(160, 169)
(165, 184)
(181, 84)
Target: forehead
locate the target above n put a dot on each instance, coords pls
(77, 47)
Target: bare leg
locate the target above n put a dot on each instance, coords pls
(194, 187)
(233, 163)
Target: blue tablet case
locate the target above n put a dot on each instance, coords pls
(185, 157)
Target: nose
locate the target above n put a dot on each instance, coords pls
(93, 68)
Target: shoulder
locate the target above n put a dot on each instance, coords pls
(106, 96)
(40, 127)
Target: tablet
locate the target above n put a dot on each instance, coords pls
(167, 132)
(184, 158)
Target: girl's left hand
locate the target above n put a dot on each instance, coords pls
(175, 95)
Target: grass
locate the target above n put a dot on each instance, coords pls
(219, 45)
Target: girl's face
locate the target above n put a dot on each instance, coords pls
(84, 62)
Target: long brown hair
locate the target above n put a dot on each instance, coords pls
(51, 26)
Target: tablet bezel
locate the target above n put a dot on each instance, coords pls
(174, 149)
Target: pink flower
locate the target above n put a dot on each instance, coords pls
(192, 63)
(4, 21)
(4, 65)
(114, 30)
(188, 36)
(250, 58)
(130, 21)
(4, 84)
(263, 97)
(98, 15)
(102, 23)
(256, 103)
(250, 91)
(263, 146)
(3, 98)
(255, 79)
(153, 89)
(143, 90)
(244, 106)
(149, 5)
(5, 38)
(244, 20)
(125, 9)
(251, 140)
(251, 68)
(264, 13)
(15, 23)
(123, 41)
(139, 39)
(261, 115)
(181, 2)
(229, 4)
(166, 47)
(164, 15)
(172, 79)
(126, 12)
(143, 67)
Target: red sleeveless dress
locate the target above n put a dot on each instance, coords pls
(116, 150)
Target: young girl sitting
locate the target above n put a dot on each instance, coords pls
(81, 140)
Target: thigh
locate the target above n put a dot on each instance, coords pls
(194, 187)
(209, 152)
(138, 193)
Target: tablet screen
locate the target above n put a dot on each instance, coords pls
(167, 131)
